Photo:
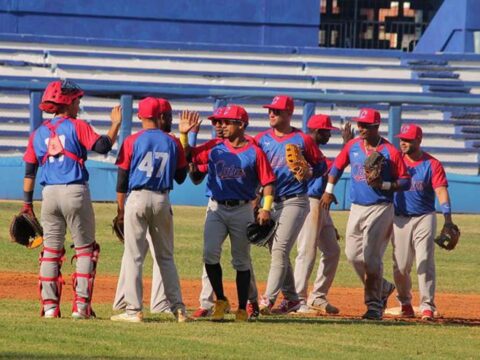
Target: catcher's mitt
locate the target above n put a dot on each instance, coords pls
(261, 235)
(117, 227)
(26, 230)
(448, 237)
(373, 168)
(296, 162)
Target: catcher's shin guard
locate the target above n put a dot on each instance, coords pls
(49, 255)
(87, 259)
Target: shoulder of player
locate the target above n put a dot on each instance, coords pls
(352, 143)
(390, 148)
(261, 135)
(434, 162)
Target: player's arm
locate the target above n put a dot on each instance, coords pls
(195, 173)
(401, 178)
(122, 189)
(444, 200)
(336, 171)
(188, 120)
(182, 165)
(315, 158)
(31, 167)
(264, 212)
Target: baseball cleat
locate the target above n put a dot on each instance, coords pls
(372, 315)
(325, 308)
(51, 314)
(407, 311)
(288, 306)
(253, 310)
(241, 315)
(181, 316)
(202, 313)
(265, 306)
(219, 310)
(427, 315)
(131, 318)
(389, 291)
(80, 315)
(305, 309)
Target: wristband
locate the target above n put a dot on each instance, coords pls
(28, 197)
(192, 138)
(329, 188)
(184, 140)
(386, 185)
(446, 209)
(267, 202)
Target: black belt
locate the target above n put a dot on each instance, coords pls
(231, 202)
(158, 191)
(409, 215)
(318, 197)
(286, 197)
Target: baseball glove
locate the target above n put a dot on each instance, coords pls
(26, 230)
(296, 162)
(448, 237)
(261, 235)
(373, 168)
(117, 227)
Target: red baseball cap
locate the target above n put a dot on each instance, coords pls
(217, 113)
(368, 116)
(322, 122)
(281, 102)
(148, 108)
(163, 106)
(234, 112)
(410, 132)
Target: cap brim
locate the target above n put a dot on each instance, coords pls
(401, 136)
(270, 106)
(213, 117)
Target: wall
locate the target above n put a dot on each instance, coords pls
(244, 22)
(452, 29)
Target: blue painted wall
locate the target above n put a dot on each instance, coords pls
(242, 22)
(464, 190)
(452, 29)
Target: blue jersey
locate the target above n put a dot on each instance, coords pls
(427, 175)
(151, 157)
(355, 153)
(316, 186)
(274, 147)
(76, 137)
(233, 173)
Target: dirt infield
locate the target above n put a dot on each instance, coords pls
(453, 308)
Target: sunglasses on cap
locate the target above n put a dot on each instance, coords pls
(70, 87)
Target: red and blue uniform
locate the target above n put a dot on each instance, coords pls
(151, 157)
(76, 136)
(427, 175)
(354, 153)
(274, 148)
(316, 186)
(233, 173)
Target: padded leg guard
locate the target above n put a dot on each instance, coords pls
(83, 279)
(50, 287)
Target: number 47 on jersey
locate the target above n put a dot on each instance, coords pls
(150, 162)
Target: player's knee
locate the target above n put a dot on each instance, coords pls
(211, 256)
(241, 264)
(373, 267)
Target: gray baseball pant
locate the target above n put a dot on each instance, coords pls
(149, 211)
(413, 240)
(290, 215)
(66, 206)
(319, 232)
(368, 231)
(158, 299)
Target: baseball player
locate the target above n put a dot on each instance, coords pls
(236, 167)
(414, 224)
(148, 162)
(59, 147)
(161, 113)
(319, 232)
(371, 214)
(291, 204)
(197, 174)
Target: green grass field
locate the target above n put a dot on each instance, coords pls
(24, 335)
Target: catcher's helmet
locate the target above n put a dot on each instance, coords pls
(261, 235)
(61, 93)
